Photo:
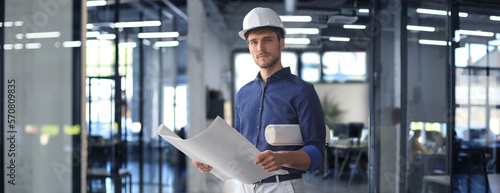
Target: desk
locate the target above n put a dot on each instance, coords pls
(354, 150)
(444, 180)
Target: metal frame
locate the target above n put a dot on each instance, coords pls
(116, 159)
(374, 154)
(402, 142)
(2, 74)
(76, 105)
(454, 24)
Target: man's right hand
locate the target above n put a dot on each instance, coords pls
(204, 168)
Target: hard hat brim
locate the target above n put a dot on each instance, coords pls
(243, 32)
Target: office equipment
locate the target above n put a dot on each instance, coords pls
(354, 131)
(339, 129)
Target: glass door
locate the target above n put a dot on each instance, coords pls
(476, 140)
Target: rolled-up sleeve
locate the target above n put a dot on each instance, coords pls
(312, 124)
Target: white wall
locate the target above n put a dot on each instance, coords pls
(351, 97)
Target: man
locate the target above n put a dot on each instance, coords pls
(276, 97)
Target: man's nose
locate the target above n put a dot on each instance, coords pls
(260, 47)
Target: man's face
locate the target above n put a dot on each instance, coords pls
(265, 48)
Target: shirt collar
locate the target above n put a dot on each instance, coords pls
(279, 74)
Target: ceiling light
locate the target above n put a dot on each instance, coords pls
(297, 41)
(302, 30)
(166, 43)
(19, 23)
(158, 35)
(146, 42)
(137, 24)
(39, 35)
(8, 24)
(431, 11)
(420, 28)
(90, 26)
(33, 45)
(439, 12)
(92, 34)
(476, 33)
(354, 27)
(19, 36)
(364, 10)
(460, 14)
(432, 42)
(18, 46)
(8, 46)
(95, 3)
(495, 18)
(296, 18)
(339, 39)
(72, 44)
(106, 36)
(127, 44)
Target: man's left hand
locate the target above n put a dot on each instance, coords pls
(269, 160)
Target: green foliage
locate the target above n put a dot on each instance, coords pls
(333, 114)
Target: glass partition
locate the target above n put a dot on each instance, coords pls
(476, 140)
(42, 106)
(427, 95)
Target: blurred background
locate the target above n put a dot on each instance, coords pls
(410, 91)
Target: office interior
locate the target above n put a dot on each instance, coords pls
(410, 91)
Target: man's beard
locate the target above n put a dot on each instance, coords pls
(269, 64)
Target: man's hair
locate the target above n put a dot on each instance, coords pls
(279, 32)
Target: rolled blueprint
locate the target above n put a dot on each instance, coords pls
(287, 134)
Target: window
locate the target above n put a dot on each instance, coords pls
(175, 107)
(344, 66)
(310, 66)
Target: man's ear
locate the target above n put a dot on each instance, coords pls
(282, 43)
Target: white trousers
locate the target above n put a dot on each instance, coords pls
(289, 186)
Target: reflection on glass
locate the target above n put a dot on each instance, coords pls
(310, 66)
(477, 126)
(344, 66)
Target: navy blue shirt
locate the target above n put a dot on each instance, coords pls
(286, 99)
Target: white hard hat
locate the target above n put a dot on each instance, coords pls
(261, 17)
